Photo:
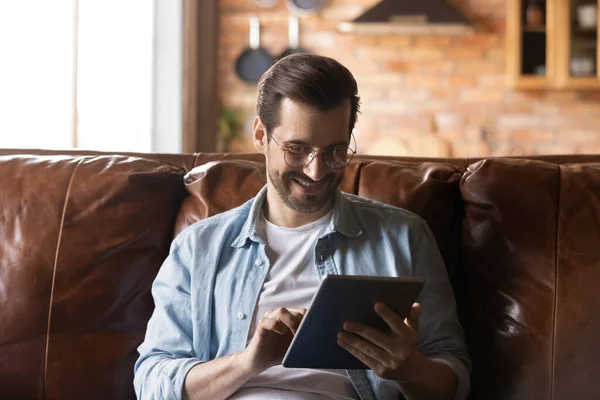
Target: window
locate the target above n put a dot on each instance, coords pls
(77, 74)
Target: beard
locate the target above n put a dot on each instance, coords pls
(304, 203)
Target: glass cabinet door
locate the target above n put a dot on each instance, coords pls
(530, 43)
(579, 44)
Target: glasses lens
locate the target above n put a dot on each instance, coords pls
(337, 157)
(298, 156)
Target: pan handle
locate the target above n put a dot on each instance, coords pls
(293, 32)
(254, 33)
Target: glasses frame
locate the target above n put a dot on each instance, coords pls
(314, 152)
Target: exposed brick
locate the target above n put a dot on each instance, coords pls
(470, 149)
(461, 81)
(418, 54)
(518, 121)
(398, 66)
(464, 53)
(381, 79)
(407, 82)
(480, 40)
(584, 136)
(555, 148)
(454, 135)
(448, 120)
(384, 107)
(496, 54)
(581, 109)
(525, 135)
(443, 67)
(561, 97)
(422, 80)
(396, 41)
(478, 67)
(492, 81)
(432, 41)
(481, 95)
(519, 108)
(402, 93)
(586, 149)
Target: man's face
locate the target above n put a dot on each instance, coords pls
(306, 189)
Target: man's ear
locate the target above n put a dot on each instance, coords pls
(259, 135)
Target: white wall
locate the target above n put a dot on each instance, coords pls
(36, 74)
(168, 61)
(130, 76)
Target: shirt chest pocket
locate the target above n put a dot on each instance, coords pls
(235, 293)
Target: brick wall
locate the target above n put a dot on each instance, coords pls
(424, 95)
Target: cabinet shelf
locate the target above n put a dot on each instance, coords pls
(540, 56)
(532, 29)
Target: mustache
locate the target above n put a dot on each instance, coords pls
(305, 179)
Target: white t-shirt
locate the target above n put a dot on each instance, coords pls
(292, 282)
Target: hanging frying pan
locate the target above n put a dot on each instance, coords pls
(305, 7)
(294, 38)
(255, 60)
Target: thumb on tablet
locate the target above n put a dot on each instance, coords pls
(412, 321)
(301, 311)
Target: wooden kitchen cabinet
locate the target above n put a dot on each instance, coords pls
(553, 44)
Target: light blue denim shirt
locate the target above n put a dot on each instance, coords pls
(206, 290)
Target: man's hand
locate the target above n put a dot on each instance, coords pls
(389, 356)
(272, 337)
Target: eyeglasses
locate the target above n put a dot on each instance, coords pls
(300, 155)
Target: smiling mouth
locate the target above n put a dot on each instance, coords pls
(307, 184)
(311, 186)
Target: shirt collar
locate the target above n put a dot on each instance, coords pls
(343, 219)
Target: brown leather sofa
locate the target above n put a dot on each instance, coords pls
(82, 236)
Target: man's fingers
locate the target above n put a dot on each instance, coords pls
(294, 311)
(297, 310)
(269, 324)
(290, 317)
(367, 359)
(391, 318)
(412, 321)
(372, 335)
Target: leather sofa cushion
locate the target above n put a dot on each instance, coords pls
(576, 368)
(508, 275)
(220, 185)
(428, 189)
(81, 240)
(528, 290)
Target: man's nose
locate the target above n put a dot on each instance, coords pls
(316, 168)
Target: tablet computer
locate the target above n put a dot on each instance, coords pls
(343, 298)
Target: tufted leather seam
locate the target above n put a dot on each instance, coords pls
(554, 317)
(62, 221)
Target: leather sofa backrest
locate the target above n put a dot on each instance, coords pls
(527, 282)
(81, 240)
(82, 237)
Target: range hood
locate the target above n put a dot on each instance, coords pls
(409, 17)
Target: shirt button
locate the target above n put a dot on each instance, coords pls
(258, 261)
(241, 315)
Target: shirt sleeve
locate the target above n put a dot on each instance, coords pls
(167, 353)
(441, 336)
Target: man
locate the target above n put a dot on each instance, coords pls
(235, 286)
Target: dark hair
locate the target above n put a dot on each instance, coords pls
(312, 80)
